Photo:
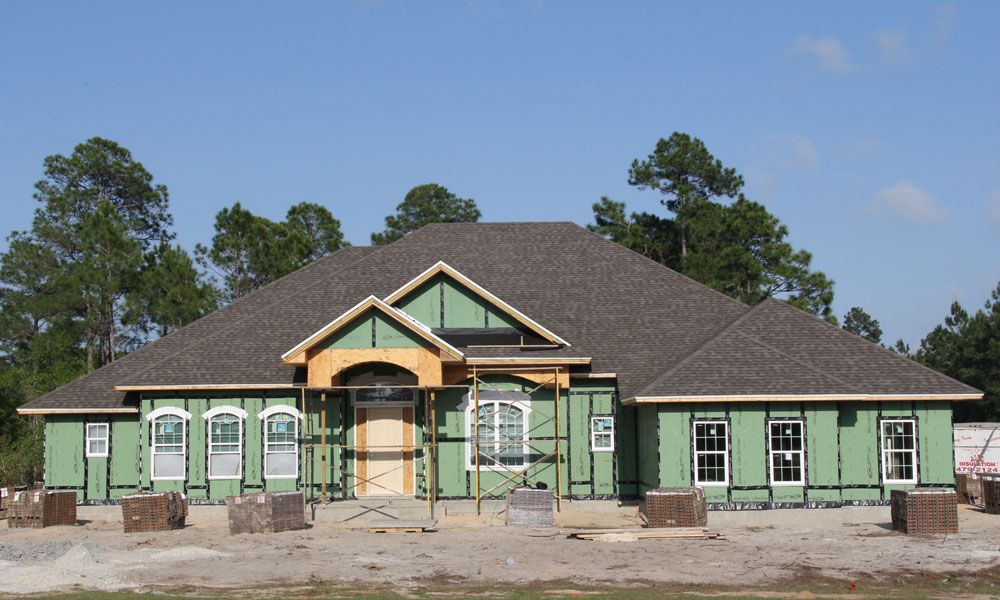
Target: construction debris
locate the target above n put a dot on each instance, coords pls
(41, 508)
(266, 512)
(969, 487)
(6, 496)
(153, 512)
(634, 535)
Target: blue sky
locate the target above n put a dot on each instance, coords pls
(870, 129)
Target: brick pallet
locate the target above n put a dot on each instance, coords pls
(529, 508)
(6, 495)
(925, 511)
(991, 494)
(969, 488)
(676, 507)
(40, 508)
(153, 512)
(266, 512)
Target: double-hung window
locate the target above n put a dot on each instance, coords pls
(602, 434)
(786, 452)
(169, 444)
(899, 450)
(225, 442)
(97, 440)
(281, 449)
(711, 453)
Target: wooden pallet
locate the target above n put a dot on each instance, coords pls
(401, 526)
(632, 535)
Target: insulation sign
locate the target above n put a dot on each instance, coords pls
(977, 447)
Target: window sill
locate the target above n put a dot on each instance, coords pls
(899, 482)
(269, 477)
(96, 455)
(507, 469)
(227, 478)
(720, 484)
(168, 478)
(787, 484)
(601, 450)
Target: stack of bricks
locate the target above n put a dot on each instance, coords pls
(676, 507)
(40, 508)
(153, 512)
(991, 494)
(969, 488)
(925, 511)
(266, 512)
(529, 508)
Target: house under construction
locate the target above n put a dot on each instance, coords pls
(466, 359)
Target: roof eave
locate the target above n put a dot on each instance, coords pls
(953, 397)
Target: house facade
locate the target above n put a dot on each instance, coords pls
(466, 359)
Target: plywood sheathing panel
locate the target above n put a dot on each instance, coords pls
(545, 376)
(407, 450)
(361, 464)
(326, 365)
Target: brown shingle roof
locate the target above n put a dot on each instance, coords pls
(632, 316)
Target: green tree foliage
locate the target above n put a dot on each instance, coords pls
(860, 323)
(171, 292)
(967, 347)
(249, 251)
(425, 204)
(683, 170)
(738, 247)
(650, 235)
(319, 226)
(741, 250)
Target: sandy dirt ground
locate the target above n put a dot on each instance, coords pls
(762, 548)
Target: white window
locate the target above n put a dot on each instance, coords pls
(899, 451)
(503, 430)
(97, 440)
(169, 446)
(786, 453)
(711, 453)
(225, 442)
(281, 448)
(602, 434)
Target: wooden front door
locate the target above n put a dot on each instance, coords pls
(385, 460)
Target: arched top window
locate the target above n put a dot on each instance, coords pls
(168, 443)
(225, 441)
(224, 410)
(169, 410)
(281, 448)
(503, 430)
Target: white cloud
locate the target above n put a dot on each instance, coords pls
(910, 203)
(944, 23)
(892, 47)
(828, 50)
(993, 210)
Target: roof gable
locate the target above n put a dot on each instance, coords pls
(342, 324)
(442, 268)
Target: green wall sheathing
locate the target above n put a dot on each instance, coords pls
(749, 455)
(462, 307)
(653, 447)
(373, 329)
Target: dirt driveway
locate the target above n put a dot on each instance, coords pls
(762, 548)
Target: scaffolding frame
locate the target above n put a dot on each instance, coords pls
(429, 446)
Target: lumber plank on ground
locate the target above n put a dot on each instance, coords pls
(693, 533)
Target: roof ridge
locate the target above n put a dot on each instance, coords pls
(806, 365)
(878, 347)
(687, 278)
(725, 329)
(199, 341)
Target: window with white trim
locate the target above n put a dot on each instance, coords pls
(503, 430)
(711, 453)
(899, 450)
(786, 462)
(225, 442)
(281, 449)
(169, 446)
(602, 434)
(97, 440)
